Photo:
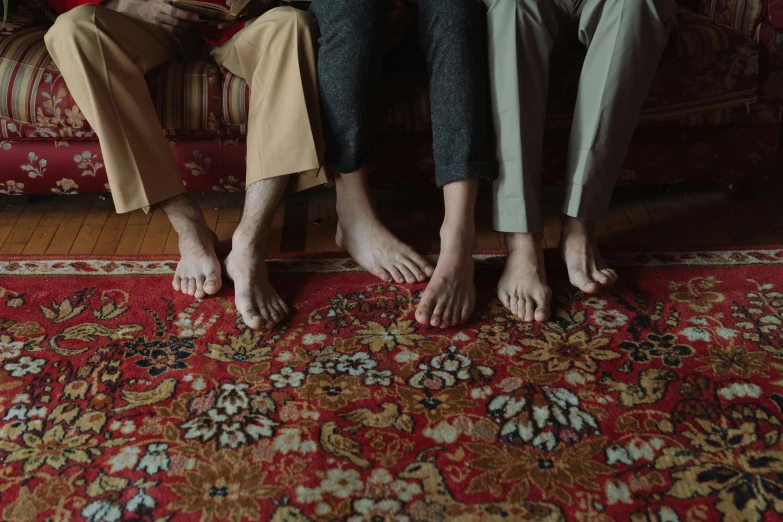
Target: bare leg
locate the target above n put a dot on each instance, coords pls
(256, 300)
(198, 270)
(523, 288)
(451, 294)
(370, 243)
(586, 268)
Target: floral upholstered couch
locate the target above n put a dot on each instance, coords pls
(713, 113)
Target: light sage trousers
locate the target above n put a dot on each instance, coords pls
(625, 40)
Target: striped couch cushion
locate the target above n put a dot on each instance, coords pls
(187, 96)
(236, 100)
(32, 92)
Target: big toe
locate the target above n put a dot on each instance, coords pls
(213, 284)
(253, 320)
(542, 313)
(589, 287)
(424, 313)
(249, 311)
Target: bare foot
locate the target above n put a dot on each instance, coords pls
(378, 251)
(198, 271)
(451, 294)
(363, 236)
(522, 287)
(256, 299)
(586, 268)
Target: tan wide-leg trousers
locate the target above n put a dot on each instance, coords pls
(103, 56)
(625, 40)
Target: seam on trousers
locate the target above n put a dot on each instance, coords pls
(111, 94)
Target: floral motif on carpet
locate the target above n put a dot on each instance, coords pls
(659, 399)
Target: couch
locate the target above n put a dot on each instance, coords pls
(713, 113)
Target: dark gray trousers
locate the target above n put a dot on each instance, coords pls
(452, 36)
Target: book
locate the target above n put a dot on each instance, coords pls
(212, 9)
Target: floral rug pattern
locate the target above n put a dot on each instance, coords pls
(658, 400)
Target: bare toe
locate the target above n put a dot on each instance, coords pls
(465, 313)
(515, 302)
(424, 312)
(417, 272)
(198, 271)
(601, 278)
(212, 283)
(259, 303)
(373, 246)
(449, 318)
(543, 304)
(199, 293)
(275, 315)
(396, 274)
(407, 274)
(504, 299)
(580, 253)
(423, 265)
(530, 309)
(524, 275)
(253, 319)
(284, 306)
(268, 321)
(437, 315)
(382, 274)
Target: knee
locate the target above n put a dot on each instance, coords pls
(652, 20)
(358, 18)
(533, 9)
(70, 28)
(291, 20)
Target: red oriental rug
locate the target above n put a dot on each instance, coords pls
(660, 400)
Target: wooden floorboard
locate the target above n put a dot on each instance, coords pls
(157, 232)
(86, 239)
(64, 237)
(39, 241)
(644, 217)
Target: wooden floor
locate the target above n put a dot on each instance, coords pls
(644, 217)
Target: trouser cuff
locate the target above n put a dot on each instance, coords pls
(587, 202)
(446, 174)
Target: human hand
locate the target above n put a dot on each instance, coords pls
(253, 9)
(159, 12)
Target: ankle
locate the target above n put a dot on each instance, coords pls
(350, 210)
(578, 226)
(458, 233)
(183, 213)
(248, 239)
(523, 240)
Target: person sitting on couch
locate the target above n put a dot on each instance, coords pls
(625, 40)
(452, 34)
(103, 52)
